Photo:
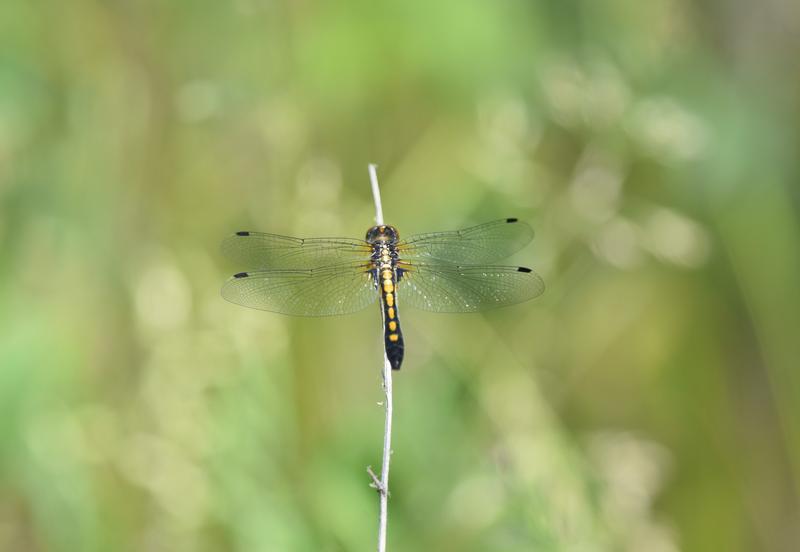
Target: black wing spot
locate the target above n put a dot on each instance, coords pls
(241, 275)
(242, 233)
(512, 219)
(523, 269)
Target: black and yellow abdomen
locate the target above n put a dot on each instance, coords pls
(393, 336)
(384, 269)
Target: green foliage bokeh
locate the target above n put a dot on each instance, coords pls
(650, 400)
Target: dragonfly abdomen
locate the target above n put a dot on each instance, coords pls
(393, 336)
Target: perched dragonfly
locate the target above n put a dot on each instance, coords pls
(439, 272)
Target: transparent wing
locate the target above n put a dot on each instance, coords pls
(259, 250)
(481, 244)
(339, 289)
(451, 288)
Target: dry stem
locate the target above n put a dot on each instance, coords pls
(382, 484)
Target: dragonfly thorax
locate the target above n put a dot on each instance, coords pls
(383, 234)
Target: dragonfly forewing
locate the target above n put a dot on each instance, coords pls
(478, 245)
(257, 250)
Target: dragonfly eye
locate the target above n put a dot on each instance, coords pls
(373, 233)
(391, 234)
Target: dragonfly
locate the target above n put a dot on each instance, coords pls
(451, 271)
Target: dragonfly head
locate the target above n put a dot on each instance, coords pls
(379, 234)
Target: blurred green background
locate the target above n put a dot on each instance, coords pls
(649, 401)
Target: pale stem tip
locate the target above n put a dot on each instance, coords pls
(376, 193)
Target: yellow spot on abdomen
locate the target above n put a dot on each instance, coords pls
(392, 325)
(388, 287)
(387, 275)
(390, 312)
(390, 299)
(393, 337)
